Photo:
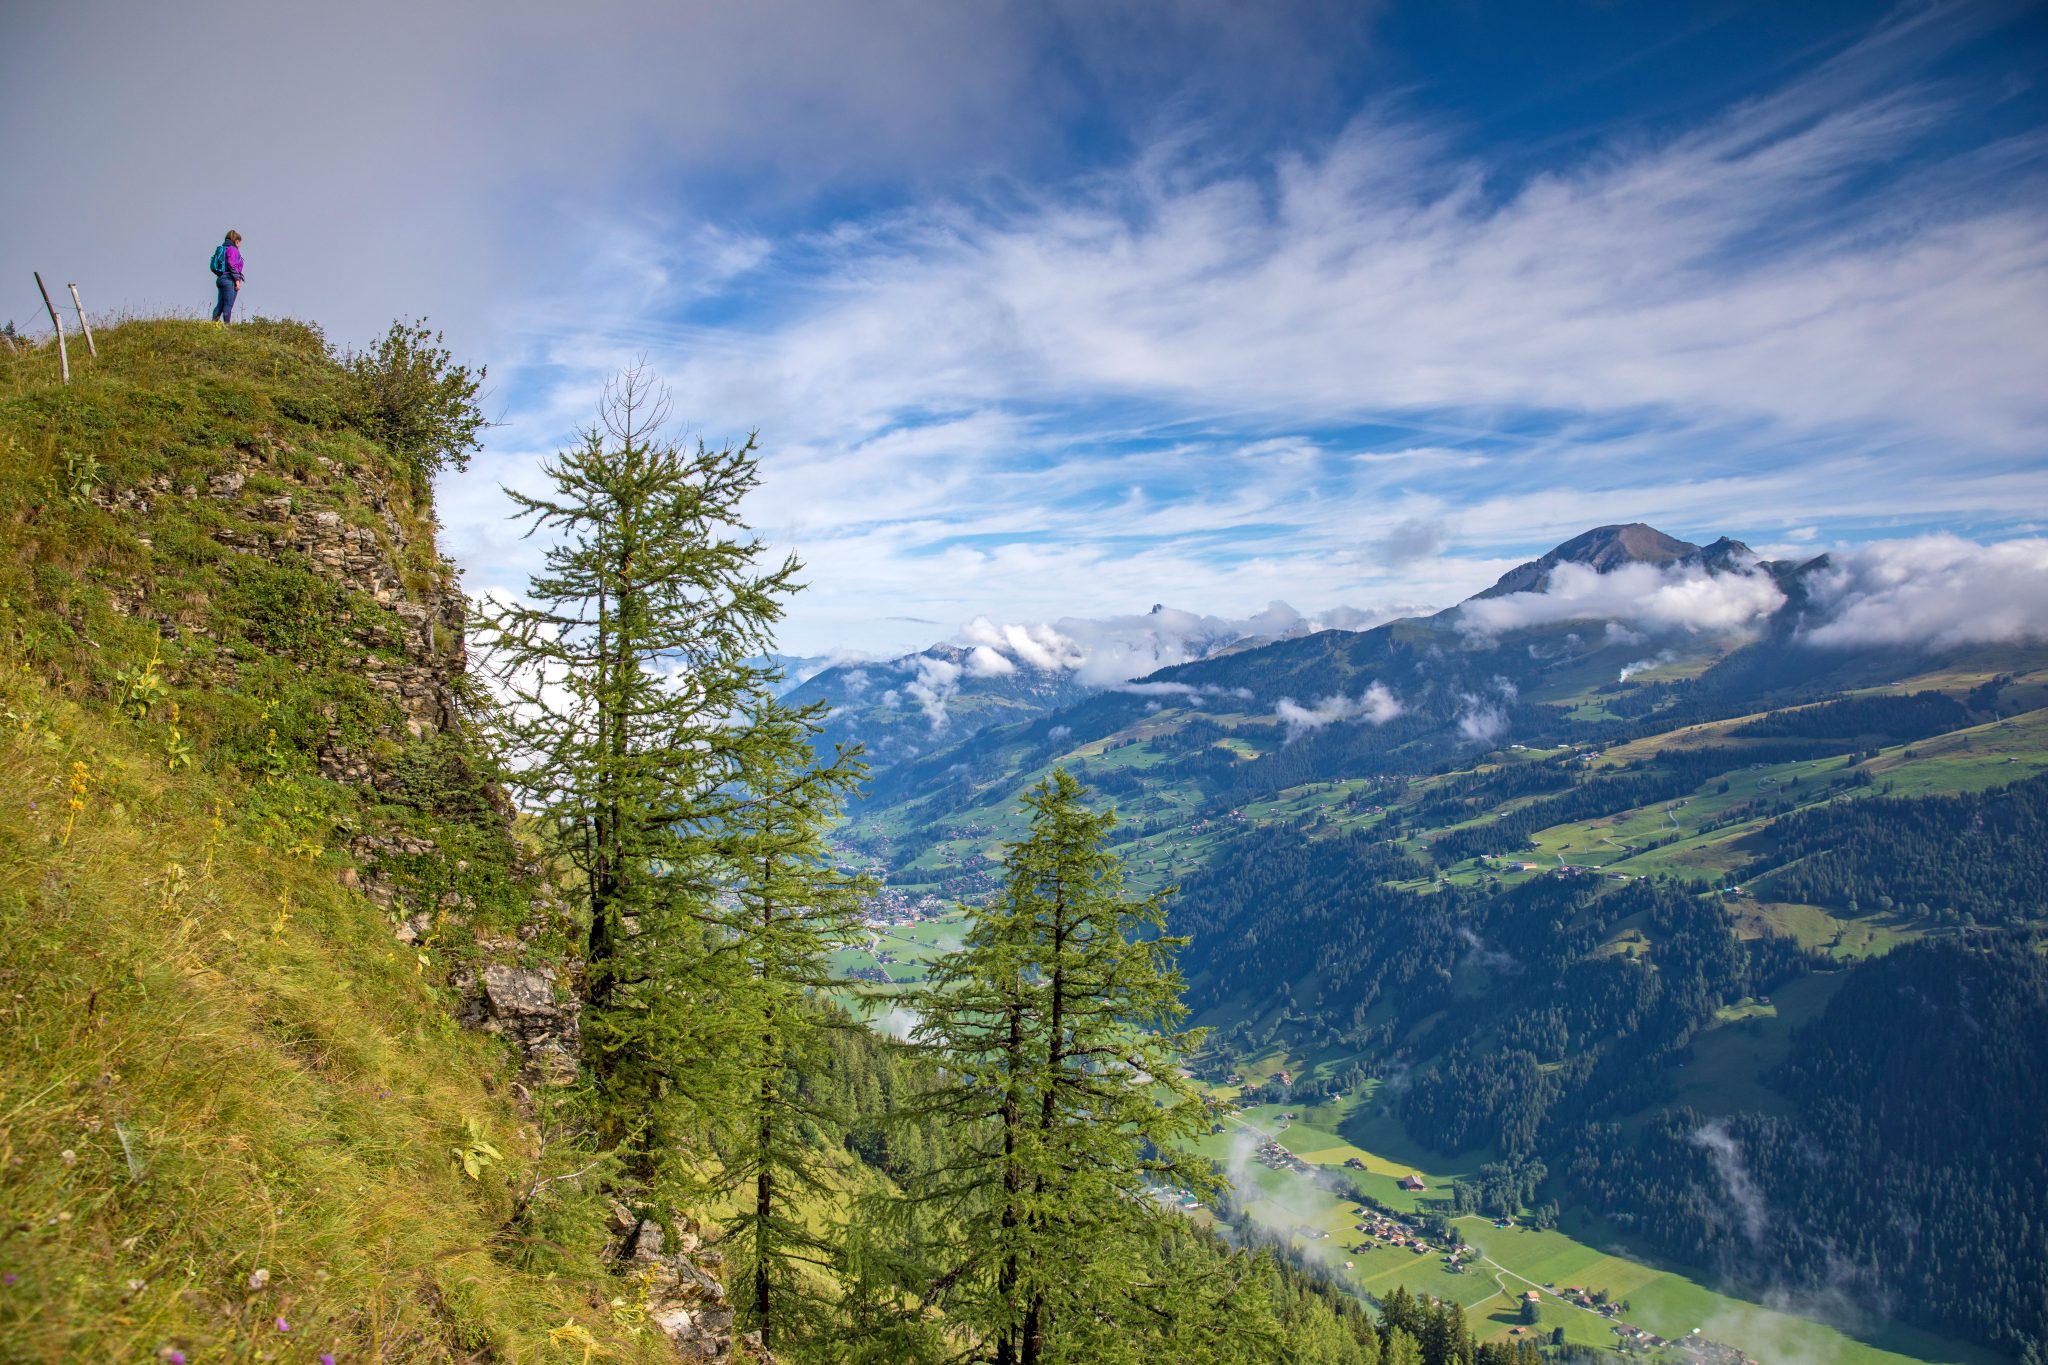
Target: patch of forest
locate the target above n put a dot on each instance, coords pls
(1917, 715)
(1976, 858)
(1541, 1029)
(1914, 1174)
(1664, 776)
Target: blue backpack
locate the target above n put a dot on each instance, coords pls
(219, 264)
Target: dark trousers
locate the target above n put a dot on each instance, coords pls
(224, 311)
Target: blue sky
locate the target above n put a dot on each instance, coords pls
(1068, 308)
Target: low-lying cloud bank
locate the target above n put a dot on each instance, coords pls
(1927, 592)
(1933, 592)
(1690, 599)
(1103, 651)
(1375, 706)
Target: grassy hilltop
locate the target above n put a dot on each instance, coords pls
(232, 1102)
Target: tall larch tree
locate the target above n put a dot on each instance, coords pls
(786, 911)
(1061, 1020)
(628, 670)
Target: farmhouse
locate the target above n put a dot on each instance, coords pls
(1412, 1182)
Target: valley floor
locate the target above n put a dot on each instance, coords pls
(1668, 1304)
(1302, 1212)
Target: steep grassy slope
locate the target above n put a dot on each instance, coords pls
(231, 1100)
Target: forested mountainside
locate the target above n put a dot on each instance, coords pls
(1611, 913)
(1908, 1166)
(1972, 858)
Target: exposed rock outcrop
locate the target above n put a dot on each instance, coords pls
(521, 1004)
(678, 1278)
(368, 559)
(346, 527)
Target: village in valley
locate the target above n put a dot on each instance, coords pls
(1382, 1229)
(1373, 1224)
(1377, 1224)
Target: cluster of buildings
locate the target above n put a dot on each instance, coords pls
(1640, 1338)
(889, 907)
(1569, 870)
(1585, 1298)
(1386, 1230)
(1704, 1352)
(1272, 1155)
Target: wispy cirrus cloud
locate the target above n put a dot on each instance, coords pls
(1386, 365)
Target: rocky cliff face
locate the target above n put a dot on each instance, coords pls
(407, 643)
(371, 561)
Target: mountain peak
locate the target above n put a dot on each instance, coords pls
(1725, 555)
(1601, 549)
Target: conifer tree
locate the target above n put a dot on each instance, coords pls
(1399, 1348)
(788, 909)
(628, 669)
(1059, 1021)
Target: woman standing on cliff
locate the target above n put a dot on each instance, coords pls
(227, 275)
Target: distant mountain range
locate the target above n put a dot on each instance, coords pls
(991, 675)
(1616, 604)
(796, 669)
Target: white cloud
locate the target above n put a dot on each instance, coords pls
(1106, 651)
(1933, 591)
(1736, 1182)
(1635, 595)
(985, 661)
(1038, 646)
(1485, 956)
(1618, 634)
(1160, 688)
(1631, 279)
(1164, 688)
(1635, 666)
(1480, 720)
(936, 682)
(1375, 706)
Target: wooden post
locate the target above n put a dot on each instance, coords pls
(83, 325)
(63, 356)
